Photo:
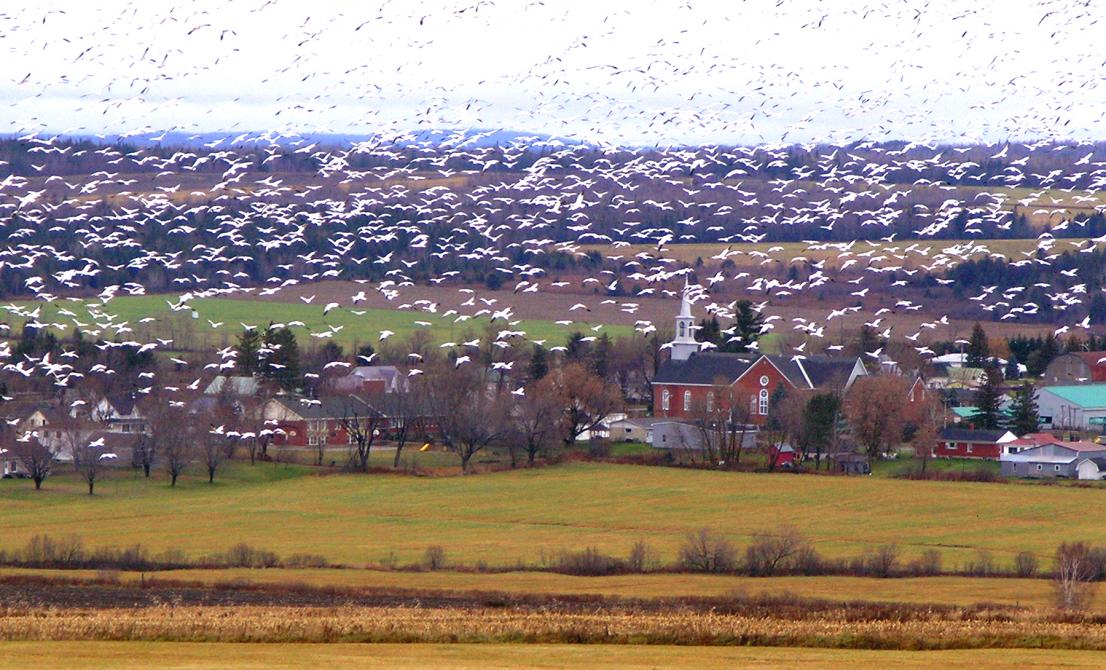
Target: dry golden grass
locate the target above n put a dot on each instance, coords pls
(833, 628)
(195, 656)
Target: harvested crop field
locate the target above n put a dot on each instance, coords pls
(259, 656)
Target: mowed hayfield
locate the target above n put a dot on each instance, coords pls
(219, 320)
(522, 517)
(943, 590)
(262, 656)
(908, 254)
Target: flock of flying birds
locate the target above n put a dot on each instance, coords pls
(398, 211)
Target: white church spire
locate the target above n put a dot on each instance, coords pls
(684, 345)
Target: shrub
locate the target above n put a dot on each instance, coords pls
(1025, 564)
(589, 562)
(243, 555)
(706, 552)
(434, 557)
(306, 561)
(926, 565)
(643, 558)
(882, 561)
(771, 554)
(982, 566)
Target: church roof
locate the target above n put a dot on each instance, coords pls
(706, 367)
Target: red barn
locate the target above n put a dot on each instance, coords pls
(308, 423)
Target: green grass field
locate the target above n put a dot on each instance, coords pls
(510, 517)
(229, 315)
(194, 656)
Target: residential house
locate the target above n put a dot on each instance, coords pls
(1072, 460)
(119, 414)
(956, 442)
(367, 380)
(23, 416)
(1072, 407)
(241, 386)
(307, 422)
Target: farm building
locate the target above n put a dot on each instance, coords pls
(1076, 367)
(955, 442)
(682, 436)
(1074, 407)
(639, 429)
(691, 381)
(1072, 460)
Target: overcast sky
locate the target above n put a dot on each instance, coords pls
(617, 71)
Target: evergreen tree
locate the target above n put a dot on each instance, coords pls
(1097, 308)
(709, 330)
(1039, 359)
(1011, 371)
(988, 399)
(601, 357)
(747, 325)
(1023, 411)
(576, 349)
(248, 348)
(539, 363)
(365, 354)
(978, 349)
(281, 358)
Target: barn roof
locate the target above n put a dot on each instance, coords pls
(705, 367)
(970, 435)
(1086, 396)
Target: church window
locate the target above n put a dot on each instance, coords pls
(710, 401)
(763, 402)
(683, 329)
(664, 399)
(687, 400)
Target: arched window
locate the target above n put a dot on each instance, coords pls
(763, 402)
(665, 395)
(710, 401)
(683, 329)
(687, 400)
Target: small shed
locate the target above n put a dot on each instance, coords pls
(633, 429)
(852, 464)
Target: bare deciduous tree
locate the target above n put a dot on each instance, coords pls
(362, 424)
(875, 409)
(586, 400)
(35, 458)
(1076, 569)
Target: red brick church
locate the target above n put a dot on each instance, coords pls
(689, 380)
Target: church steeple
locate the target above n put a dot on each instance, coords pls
(684, 345)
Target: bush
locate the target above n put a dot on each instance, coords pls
(926, 565)
(589, 563)
(243, 555)
(982, 566)
(434, 557)
(706, 552)
(882, 561)
(643, 558)
(306, 561)
(771, 554)
(1025, 564)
